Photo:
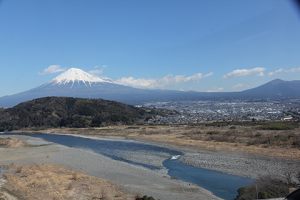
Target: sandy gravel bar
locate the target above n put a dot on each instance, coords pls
(132, 178)
(242, 164)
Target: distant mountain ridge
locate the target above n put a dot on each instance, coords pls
(275, 89)
(78, 83)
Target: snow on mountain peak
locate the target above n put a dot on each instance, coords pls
(74, 75)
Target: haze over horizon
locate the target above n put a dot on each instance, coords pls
(181, 45)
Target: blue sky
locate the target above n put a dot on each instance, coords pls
(203, 45)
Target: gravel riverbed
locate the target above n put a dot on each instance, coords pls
(132, 178)
(151, 182)
(242, 164)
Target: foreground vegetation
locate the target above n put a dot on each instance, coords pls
(48, 181)
(144, 198)
(56, 182)
(267, 187)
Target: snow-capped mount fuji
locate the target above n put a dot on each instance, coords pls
(78, 83)
(75, 75)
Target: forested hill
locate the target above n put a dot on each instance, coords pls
(70, 112)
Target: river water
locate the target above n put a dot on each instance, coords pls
(221, 184)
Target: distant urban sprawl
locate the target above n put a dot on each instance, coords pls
(203, 111)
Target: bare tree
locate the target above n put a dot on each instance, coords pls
(298, 178)
(288, 175)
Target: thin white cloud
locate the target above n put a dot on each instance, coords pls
(284, 71)
(258, 71)
(98, 70)
(161, 83)
(52, 69)
(240, 86)
(219, 89)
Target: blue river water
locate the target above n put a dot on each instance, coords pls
(221, 184)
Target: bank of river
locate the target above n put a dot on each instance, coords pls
(2, 181)
(156, 158)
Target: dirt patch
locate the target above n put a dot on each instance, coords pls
(11, 143)
(45, 182)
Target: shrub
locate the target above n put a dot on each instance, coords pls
(263, 188)
(144, 198)
(296, 141)
(212, 132)
(298, 178)
(279, 126)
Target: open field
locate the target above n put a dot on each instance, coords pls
(272, 139)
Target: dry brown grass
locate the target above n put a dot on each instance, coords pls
(11, 143)
(45, 182)
(6, 196)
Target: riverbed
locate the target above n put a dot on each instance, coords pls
(133, 179)
(155, 158)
